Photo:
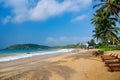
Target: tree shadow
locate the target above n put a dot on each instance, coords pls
(95, 59)
(81, 55)
(40, 72)
(85, 55)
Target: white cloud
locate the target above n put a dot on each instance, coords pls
(66, 40)
(23, 10)
(79, 18)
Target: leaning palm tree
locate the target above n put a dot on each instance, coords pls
(107, 36)
(110, 7)
(105, 28)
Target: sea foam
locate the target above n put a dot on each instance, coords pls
(25, 55)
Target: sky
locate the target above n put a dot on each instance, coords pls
(45, 22)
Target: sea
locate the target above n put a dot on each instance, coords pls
(10, 55)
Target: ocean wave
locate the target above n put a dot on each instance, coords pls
(25, 55)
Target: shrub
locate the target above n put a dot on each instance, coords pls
(108, 47)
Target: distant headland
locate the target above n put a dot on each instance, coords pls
(27, 46)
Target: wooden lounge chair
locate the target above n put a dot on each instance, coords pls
(114, 69)
(112, 62)
(115, 64)
(98, 53)
(115, 61)
(110, 57)
(103, 56)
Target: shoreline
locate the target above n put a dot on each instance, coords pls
(17, 56)
(30, 59)
(67, 66)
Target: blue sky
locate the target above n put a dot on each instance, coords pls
(45, 22)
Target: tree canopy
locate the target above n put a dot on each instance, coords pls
(104, 20)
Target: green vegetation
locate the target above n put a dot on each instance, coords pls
(27, 46)
(108, 47)
(78, 45)
(105, 29)
(104, 19)
(35, 46)
(111, 8)
(91, 43)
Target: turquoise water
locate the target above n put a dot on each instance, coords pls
(9, 55)
(15, 53)
(22, 51)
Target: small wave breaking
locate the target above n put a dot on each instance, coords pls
(25, 55)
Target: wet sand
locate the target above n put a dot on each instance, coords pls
(80, 65)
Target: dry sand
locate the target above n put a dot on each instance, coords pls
(79, 65)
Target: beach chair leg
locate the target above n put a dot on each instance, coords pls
(110, 70)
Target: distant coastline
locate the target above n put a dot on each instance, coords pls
(27, 47)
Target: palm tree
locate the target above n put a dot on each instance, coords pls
(91, 43)
(110, 7)
(107, 35)
(99, 17)
(105, 28)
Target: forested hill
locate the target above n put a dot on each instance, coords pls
(28, 46)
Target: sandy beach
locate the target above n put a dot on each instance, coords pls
(80, 65)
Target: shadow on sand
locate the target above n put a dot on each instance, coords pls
(85, 55)
(77, 56)
(39, 72)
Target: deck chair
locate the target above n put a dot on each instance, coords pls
(115, 61)
(104, 56)
(98, 53)
(110, 57)
(114, 68)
